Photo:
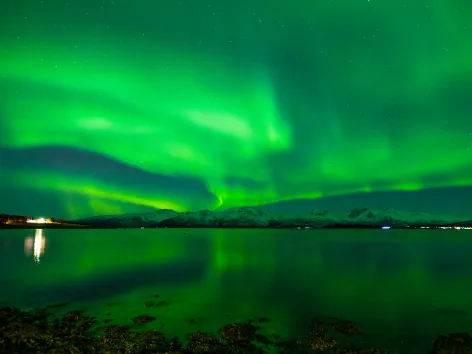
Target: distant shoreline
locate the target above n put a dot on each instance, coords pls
(243, 218)
(47, 226)
(90, 227)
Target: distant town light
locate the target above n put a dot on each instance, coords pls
(39, 221)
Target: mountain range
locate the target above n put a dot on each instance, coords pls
(255, 218)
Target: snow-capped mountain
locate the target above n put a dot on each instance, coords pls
(313, 219)
(202, 218)
(393, 217)
(241, 217)
(246, 217)
(254, 218)
(129, 220)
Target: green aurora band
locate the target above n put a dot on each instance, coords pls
(256, 101)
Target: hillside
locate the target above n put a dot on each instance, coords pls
(254, 218)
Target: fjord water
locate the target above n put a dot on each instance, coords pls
(401, 287)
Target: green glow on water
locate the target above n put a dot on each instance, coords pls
(397, 286)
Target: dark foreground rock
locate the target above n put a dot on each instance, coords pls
(456, 343)
(39, 331)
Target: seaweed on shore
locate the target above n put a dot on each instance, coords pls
(38, 331)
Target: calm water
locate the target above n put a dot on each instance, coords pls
(401, 287)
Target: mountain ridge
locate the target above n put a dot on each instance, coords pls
(248, 217)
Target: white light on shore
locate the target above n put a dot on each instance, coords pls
(37, 221)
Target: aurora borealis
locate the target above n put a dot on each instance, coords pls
(117, 106)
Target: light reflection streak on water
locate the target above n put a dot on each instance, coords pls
(36, 245)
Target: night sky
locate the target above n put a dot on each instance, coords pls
(120, 106)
